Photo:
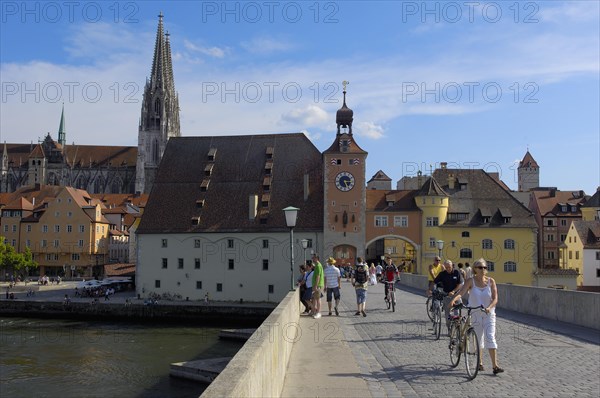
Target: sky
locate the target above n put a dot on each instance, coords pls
(472, 83)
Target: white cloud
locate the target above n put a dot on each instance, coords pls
(214, 51)
(369, 130)
(310, 115)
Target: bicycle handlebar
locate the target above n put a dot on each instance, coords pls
(461, 305)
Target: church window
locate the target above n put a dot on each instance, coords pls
(157, 106)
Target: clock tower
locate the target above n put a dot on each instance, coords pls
(344, 192)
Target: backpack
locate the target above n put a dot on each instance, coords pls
(361, 277)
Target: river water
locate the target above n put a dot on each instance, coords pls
(62, 358)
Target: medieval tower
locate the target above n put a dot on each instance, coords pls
(159, 119)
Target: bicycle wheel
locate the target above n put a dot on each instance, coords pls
(387, 300)
(472, 353)
(429, 306)
(454, 344)
(393, 300)
(437, 322)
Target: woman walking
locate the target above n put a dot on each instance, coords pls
(482, 291)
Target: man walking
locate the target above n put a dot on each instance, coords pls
(360, 281)
(318, 283)
(332, 283)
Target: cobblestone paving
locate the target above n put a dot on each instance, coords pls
(399, 357)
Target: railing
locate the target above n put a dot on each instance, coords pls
(571, 306)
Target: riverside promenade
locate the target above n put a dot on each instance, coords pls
(394, 354)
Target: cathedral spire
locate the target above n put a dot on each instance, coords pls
(62, 131)
(157, 74)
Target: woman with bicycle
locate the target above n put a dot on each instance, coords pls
(483, 292)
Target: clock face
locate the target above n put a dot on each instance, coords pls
(344, 181)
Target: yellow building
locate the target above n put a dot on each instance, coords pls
(581, 251)
(63, 227)
(470, 214)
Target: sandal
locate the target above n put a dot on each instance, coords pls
(480, 368)
(497, 370)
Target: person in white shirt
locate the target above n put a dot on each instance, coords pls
(332, 284)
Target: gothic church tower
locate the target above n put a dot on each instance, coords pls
(159, 120)
(344, 165)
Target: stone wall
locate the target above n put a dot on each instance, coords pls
(575, 307)
(259, 368)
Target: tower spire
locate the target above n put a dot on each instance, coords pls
(344, 115)
(62, 131)
(158, 62)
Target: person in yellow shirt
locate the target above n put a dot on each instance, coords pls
(434, 270)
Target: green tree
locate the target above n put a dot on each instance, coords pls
(15, 262)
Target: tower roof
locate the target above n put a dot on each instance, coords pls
(528, 161)
(62, 131)
(344, 115)
(432, 188)
(162, 70)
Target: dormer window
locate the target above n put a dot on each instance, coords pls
(268, 168)
(204, 185)
(269, 152)
(200, 203)
(212, 153)
(195, 220)
(208, 169)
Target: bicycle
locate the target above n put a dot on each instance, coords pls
(464, 340)
(437, 304)
(429, 306)
(390, 298)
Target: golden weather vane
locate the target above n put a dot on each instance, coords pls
(345, 83)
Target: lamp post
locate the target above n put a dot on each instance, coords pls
(382, 260)
(440, 246)
(291, 213)
(304, 243)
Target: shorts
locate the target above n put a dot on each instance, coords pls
(307, 294)
(317, 294)
(333, 291)
(361, 296)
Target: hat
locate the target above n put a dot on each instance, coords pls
(437, 258)
(331, 260)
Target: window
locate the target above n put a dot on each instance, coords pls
(5, 227)
(563, 237)
(230, 263)
(29, 228)
(230, 243)
(14, 228)
(381, 221)
(401, 221)
(570, 254)
(82, 228)
(180, 263)
(563, 223)
(44, 243)
(509, 244)
(265, 265)
(466, 253)
(597, 255)
(198, 284)
(550, 223)
(164, 242)
(576, 254)
(510, 266)
(197, 243)
(157, 283)
(265, 243)
(550, 255)
(465, 234)
(57, 214)
(432, 221)
(80, 243)
(574, 209)
(486, 244)
(69, 214)
(69, 228)
(56, 243)
(563, 208)
(550, 237)
(432, 243)
(44, 228)
(271, 289)
(197, 263)
(57, 228)
(491, 266)
(28, 243)
(165, 263)
(219, 287)
(75, 257)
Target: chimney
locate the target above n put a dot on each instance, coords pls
(444, 165)
(306, 187)
(451, 181)
(252, 206)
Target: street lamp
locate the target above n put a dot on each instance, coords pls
(440, 246)
(304, 243)
(291, 213)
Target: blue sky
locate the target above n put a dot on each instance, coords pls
(474, 84)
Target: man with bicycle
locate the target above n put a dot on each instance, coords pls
(451, 282)
(389, 275)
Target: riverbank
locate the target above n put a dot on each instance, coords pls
(49, 302)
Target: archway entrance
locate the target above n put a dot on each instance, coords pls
(345, 255)
(402, 250)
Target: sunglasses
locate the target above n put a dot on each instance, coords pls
(481, 267)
